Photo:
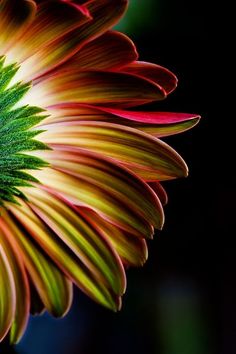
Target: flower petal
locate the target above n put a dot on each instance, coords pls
(112, 50)
(94, 87)
(64, 258)
(132, 250)
(53, 19)
(156, 73)
(54, 289)
(43, 58)
(121, 196)
(160, 192)
(84, 240)
(16, 15)
(20, 280)
(159, 124)
(149, 157)
(8, 294)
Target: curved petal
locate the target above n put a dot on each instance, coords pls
(132, 250)
(110, 51)
(54, 289)
(53, 19)
(43, 58)
(20, 280)
(94, 87)
(160, 192)
(116, 181)
(16, 16)
(156, 73)
(8, 294)
(63, 257)
(85, 241)
(159, 124)
(149, 157)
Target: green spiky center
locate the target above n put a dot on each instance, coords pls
(17, 138)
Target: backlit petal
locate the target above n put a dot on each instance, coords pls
(64, 258)
(8, 294)
(149, 157)
(94, 87)
(20, 280)
(53, 288)
(156, 73)
(15, 17)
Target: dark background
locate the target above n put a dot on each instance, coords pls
(183, 301)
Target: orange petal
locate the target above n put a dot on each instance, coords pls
(20, 279)
(8, 293)
(94, 87)
(16, 15)
(132, 250)
(117, 182)
(53, 287)
(64, 258)
(44, 57)
(85, 240)
(112, 50)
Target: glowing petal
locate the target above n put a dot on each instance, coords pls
(159, 124)
(52, 20)
(84, 240)
(20, 280)
(147, 156)
(15, 17)
(132, 250)
(112, 50)
(65, 260)
(53, 288)
(94, 87)
(8, 294)
(101, 16)
(113, 183)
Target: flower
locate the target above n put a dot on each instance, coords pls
(80, 167)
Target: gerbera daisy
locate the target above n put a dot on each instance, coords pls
(80, 168)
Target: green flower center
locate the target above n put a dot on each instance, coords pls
(17, 138)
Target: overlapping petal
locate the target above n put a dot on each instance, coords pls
(15, 18)
(147, 156)
(21, 284)
(90, 180)
(41, 55)
(94, 87)
(65, 259)
(53, 288)
(156, 73)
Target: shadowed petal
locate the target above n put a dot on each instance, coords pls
(20, 280)
(117, 188)
(156, 73)
(112, 50)
(101, 16)
(52, 20)
(15, 17)
(8, 294)
(84, 240)
(65, 259)
(54, 289)
(94, 87)
(132, 250)
(160, 192)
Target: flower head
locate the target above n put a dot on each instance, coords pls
(80, 167)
